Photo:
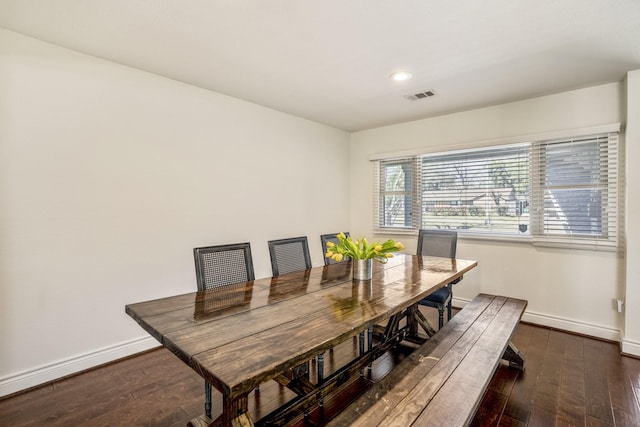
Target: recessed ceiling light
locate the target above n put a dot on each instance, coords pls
(400, 76)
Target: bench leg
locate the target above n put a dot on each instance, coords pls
(514, 357)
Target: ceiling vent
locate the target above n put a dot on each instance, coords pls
(421, 95)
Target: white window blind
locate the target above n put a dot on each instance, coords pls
(561, 192)
(577, 191)
(398, 185)
(480, 191)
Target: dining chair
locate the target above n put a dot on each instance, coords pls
(223, 265)
(333, 239)
(289, 255)
(441, 243)
(218, 266)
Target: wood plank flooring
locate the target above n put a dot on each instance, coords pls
(569, 380)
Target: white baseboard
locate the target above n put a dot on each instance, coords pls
(40, 375)
(565, 324)
(573, 326)
(631, 347)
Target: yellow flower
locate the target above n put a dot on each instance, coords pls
(361, 249)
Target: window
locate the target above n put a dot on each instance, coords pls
(483, 191)
(397, 192)
(576, 190)
(562, 191)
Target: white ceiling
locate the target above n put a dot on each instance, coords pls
(330, 60)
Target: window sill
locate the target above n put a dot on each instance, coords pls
(461, 235)
(527, 239)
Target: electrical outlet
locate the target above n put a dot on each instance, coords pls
(619, 305)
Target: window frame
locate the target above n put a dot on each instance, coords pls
(611, 198)
(410, 204)
(478, 164)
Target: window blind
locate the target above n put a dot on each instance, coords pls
(480, 191)
(577, 191)
(555, 192)
(397, 180)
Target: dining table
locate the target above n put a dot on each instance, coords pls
(240, 336)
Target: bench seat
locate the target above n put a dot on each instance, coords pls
(443, 381)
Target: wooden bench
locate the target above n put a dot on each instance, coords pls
(443, 381)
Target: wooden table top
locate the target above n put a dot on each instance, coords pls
(240, 336)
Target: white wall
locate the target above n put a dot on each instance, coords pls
(631, 341)
(569, 289)
(109, 177)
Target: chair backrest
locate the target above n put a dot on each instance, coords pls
(331, 238)
(223, 265)
(437, 243)
(289, 255)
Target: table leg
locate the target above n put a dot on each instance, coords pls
(321, 375)
(320, 367)
(235, 412)
(423, 322)
(314, 394)
(412, 320)
(392, 327)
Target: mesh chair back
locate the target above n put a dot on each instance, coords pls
(440, 243)
(331, 238)
(223, 265)
(289, 255)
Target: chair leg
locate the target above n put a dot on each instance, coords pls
(440, 316)
(207, 399)
(449, 311)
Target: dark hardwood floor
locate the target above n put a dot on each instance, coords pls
(569, 381)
